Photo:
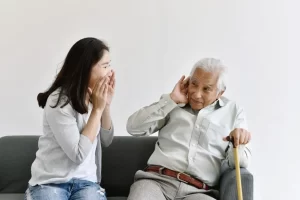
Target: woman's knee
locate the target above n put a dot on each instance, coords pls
(45, 192)
(89, 192)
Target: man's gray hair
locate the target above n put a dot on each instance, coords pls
(215, 66)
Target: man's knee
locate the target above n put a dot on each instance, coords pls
(199, 196)
(145, 189)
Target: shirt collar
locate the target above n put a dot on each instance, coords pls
(221, 102)
(215, 105)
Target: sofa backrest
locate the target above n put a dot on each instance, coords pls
(120, 161)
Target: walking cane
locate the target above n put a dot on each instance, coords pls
(237, 171)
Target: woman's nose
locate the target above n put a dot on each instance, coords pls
(110, 73)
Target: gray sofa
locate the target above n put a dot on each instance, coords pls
(121, 160)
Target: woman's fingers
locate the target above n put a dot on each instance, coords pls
(113, 80)
(105, 92)
(103, 83)
(98, 85)
(90, 91)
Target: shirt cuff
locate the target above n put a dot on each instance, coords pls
(107, 131)
(166, 103)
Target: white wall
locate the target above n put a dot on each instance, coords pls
(153, 43)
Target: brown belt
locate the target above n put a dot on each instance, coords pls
(178, 175)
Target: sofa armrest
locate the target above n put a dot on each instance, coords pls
(228, 188)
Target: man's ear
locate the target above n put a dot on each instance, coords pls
(221, 93)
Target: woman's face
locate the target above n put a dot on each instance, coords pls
(100, 69)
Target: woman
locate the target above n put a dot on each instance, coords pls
(76, 122)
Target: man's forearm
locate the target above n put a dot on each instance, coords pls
(106, 119)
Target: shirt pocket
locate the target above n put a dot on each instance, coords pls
(211, 138)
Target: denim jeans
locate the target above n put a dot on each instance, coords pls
(73, 190)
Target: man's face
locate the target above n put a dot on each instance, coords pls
(202, 89)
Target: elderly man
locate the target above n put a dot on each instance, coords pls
(193, 121)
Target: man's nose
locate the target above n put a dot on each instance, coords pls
(198, 94)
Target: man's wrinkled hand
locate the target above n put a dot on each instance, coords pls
(179, 93)
(240, 136)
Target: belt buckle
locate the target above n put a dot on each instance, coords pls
(178, 177)
(204, 186)
(160, 170)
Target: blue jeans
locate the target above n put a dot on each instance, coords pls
(73, 190)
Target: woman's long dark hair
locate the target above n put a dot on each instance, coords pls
(74, 75)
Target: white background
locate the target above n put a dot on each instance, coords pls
(152, 44)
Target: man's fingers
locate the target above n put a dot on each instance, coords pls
(236, 141)
(181, 79)
(227, 138)
(247, 139)
(186, 81)
(242, 138)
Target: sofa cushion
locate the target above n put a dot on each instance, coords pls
(16, 156)
(12, 196)
(21, 197)
(121, 160)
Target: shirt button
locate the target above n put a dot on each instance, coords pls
(166, 102)
(194, 144)
(197, 126)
